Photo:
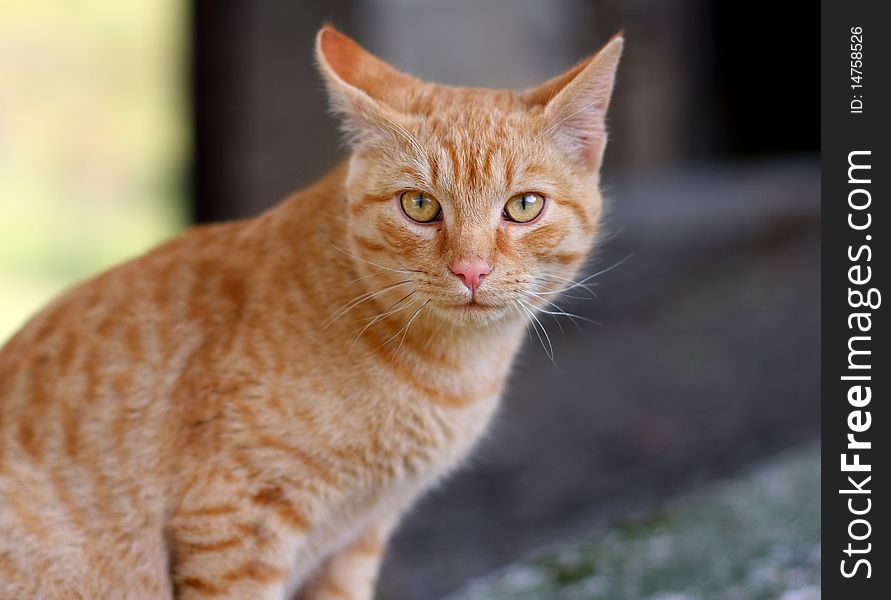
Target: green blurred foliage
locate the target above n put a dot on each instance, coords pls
(93, 140)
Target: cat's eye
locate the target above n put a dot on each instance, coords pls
(420, 207)
(523, 208)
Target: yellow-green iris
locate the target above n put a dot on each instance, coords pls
(523, 208)
(420, 207)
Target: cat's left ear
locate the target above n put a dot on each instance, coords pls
(361, 86)
(575, 103)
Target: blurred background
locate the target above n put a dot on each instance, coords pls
(123, 122)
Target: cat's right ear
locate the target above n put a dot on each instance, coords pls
(360, 86)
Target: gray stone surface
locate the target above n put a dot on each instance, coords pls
(755, 538)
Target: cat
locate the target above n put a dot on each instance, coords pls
(247, 410)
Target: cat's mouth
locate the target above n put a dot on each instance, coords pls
(472, 305)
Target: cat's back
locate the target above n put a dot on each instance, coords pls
(86, 424)
(110, 336)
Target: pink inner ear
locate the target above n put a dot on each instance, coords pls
(543, 93)
(341, 53)
(361, 69)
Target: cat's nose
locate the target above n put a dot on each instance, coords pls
(471, 273)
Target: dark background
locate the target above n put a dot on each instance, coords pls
(699, 81)
(708, 354)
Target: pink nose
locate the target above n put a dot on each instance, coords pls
(471, 272)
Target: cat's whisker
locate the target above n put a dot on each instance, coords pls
(370, 295)
(539, 296)
(581, 283)
(391, 310)
(539, 328)
(549, 350)
(533, 297)
(513, 306)
(379, 266)
(555, 313)
(544, 290)
(569, 284)
(607, 269)
(366, 276)
(560, 312)
(404, 327)
(407, 325)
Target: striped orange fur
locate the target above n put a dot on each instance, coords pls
(247, 410)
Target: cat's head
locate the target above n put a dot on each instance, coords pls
(484, 203)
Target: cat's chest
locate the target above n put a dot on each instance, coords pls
(393, 462)
(406, 415)
(388, 438)
(405, 436)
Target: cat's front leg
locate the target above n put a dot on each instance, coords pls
(351, 573)
(223, 551)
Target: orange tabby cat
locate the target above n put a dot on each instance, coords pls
(246, 411)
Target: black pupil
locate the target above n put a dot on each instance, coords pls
(419, 200)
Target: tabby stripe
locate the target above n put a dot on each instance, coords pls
(275, 403)
(70, 429)
(580, 213)
(27, 439)
(67, 352)
(314, 466)
(39, 400)
(433, 163)
(487, 164)
(411, 172)
(102, 488)
(377, 198)
(202, 586)
(405, 373)
(568, 257)
(122, 384)
(368, 245)
(135, 346)
(218, 546)
(357, 208)
(275, 498)
(368, 545)
(509, 169)
(254, 571)
(534, 170)
(456, 162)
(291, 516)
(270, 441)
(208, 511)
(335, 590)
(349, 456)
(10, 572)
(201, 528)
(91, 371)
(385, 329)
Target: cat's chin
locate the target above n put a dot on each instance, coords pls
(472, 313)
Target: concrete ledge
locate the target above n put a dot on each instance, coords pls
(756, 537)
